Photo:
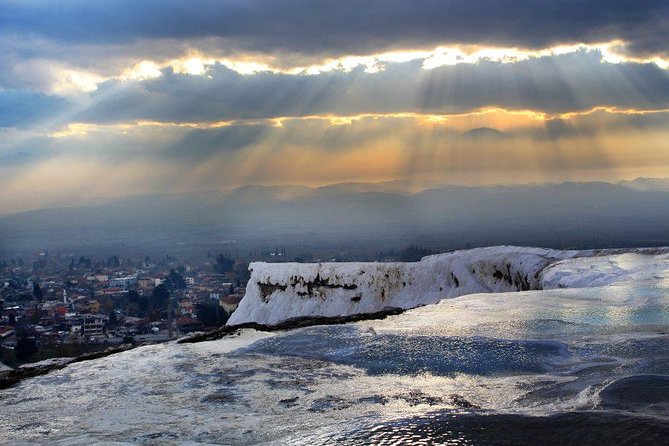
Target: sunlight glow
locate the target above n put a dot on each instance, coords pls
(191, 65)
(77, 129)
(145, 69)
(612, 52)
(197, 64)
(69, 82)
(499, 118)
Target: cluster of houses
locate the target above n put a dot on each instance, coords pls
(77, 306)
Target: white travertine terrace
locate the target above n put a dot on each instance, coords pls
(280, 291)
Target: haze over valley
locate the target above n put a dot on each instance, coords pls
(351, 221)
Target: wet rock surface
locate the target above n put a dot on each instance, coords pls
(637, 392)
(10, 378)
(290, 324)
(579, 428)
(569, 366)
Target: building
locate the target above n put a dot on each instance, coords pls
(100, 278)
(186, 307)
(188, 325)
(122, 282)
(88, 306)
(145, 284)
(94, 324)
(230, 303)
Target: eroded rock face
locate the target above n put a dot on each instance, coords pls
(325, 285)
(281, 291)
(267, 289)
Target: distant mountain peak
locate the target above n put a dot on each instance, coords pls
(484, 132)
(647, 184)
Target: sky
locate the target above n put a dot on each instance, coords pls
(116, 98)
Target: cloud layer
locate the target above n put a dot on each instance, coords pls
(346, 26)
(159, 96)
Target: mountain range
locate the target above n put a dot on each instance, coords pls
(355, 216)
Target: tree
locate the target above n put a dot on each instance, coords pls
(25, 348)
(206, 313)
(113, 319)
(36, 315)
(37, 292)
(211, 314)
(136, 305)
(160, 298)
(223, 264)
(175, 281)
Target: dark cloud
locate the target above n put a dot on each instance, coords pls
(345, 26)
(558, 84)
(201, 144)
(560, 128)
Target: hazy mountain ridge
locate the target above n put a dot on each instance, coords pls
(647, 183)
(583, 215)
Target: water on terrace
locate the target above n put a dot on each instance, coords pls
(478, 369)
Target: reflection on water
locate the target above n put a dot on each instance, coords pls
(398, 354)
(567, 366)
(445, 428)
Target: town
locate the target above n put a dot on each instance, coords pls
(64, 305)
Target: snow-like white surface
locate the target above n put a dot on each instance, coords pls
(47, 363)
(279, 291)
(534, 353)
(242, 338)
(606, 270)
